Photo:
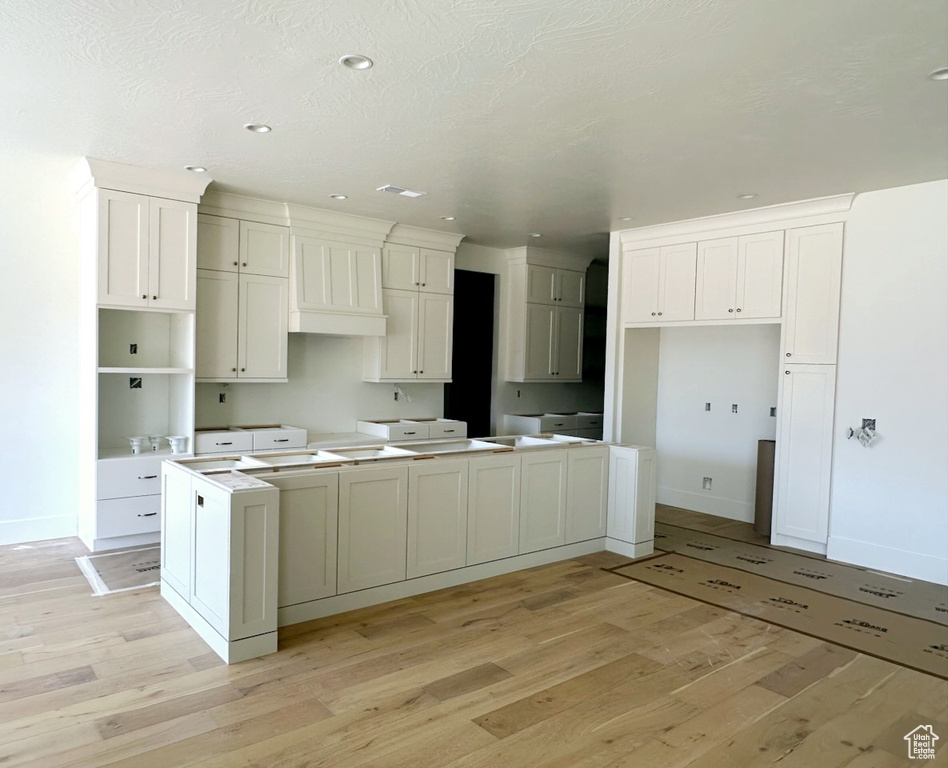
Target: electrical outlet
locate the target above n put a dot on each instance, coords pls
(773, 411)
(869, 424)
(707, 406)
(135, 382)
(733, 407)
(133, 349)
(222, 398)
(518, 393)
(706, 484)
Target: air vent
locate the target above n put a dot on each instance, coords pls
(401, 191)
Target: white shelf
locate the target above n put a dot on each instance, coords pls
(141, 371)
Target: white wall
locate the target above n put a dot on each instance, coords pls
(511, 397)
(39, 301)
(890, 501)
(325, 392)
(723, 366)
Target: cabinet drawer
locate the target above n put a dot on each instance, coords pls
(403, 429)
(447, 428)
(283, 438)
(589, 421)
(557, 422)
(223, 442)
(125, 517)
(131, 476)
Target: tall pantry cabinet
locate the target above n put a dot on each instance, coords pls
(138, 256)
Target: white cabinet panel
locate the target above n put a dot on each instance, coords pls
(568, 362)
(216, 324)
(176, 526)
(435, 336)
(571, 287)
(631, 517)
(399, 346)
(814, 266)
(210, 574)
(677, 283)
(128, 476)
(264, 249)
(437, 516)
(538, 347)
(128, 516)
(123, 249)
(541, 284)
(804, 452)
(587, 490)
(373, 525)
(172, 254)
(309, 515)
(401, 267)
(542, 500)
(339, 277)
(437, 271)
(759, 275)
(641, 276)
(262, 327)
(716, 283)
(493, 521)
(218, 243)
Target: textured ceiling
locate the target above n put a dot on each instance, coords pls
(516, 116)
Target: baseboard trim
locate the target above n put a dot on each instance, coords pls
(231, 652)
(327, 606)
(890, 559)
(641, 549)
(782, 540)
(37, 529)
(708, 504)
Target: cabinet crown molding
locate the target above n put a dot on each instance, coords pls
(402, 234)
(232, 206)
(331, 225)
(707, 227)
(156, 182)
(530, 255)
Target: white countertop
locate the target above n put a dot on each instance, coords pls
(339, 439)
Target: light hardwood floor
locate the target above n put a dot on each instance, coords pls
(563, 665)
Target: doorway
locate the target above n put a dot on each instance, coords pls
(468, 395)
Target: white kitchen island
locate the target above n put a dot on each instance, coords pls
(254, 542)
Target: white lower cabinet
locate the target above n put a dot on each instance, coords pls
(631, 526)
(803, 456)
(309, 519)
(543, 500)
(437, 516)
(493, 515)
(373, 526)
(586, 493)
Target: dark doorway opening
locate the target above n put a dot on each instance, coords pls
(468, 395)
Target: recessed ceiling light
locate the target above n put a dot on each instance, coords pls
(195, 168)
(404, 192)
(339, 197)
(534, 234)
(448, 218)
(747, 196)
(356, 61)
(258, 128)
(938, 74)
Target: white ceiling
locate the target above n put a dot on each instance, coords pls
(516, 116)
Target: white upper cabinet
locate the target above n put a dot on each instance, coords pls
(232, 245)
(218, 243)
(814, 268)
(337, 276)
(660, 284)
(147, 248)
(418, 343)
(553, 348)
(417, 269)
(548, 285)
(435, 336)
(739, 277)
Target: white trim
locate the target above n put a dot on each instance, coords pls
(424, 238)
(337, 323)
(157, 182)
(527, 254)
(717, 323)
(294, 614)
(231, 206)
(620, 547)
(230, 652)
(782, 540)
(612, 396)
(331, 225)
(37, 529)
(891, 559)
(707, 504)
(757, 219)
(120, 542)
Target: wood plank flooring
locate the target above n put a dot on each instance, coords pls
(563, 665)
